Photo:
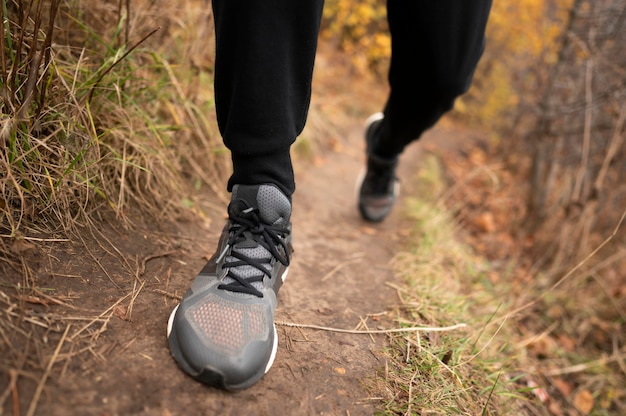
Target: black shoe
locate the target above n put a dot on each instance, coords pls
(379, 186)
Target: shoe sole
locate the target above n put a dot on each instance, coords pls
(374, 117)
(251, 381)
(359, 181)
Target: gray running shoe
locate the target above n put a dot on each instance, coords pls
(378, 186)
(222, 333)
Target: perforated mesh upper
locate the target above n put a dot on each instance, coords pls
(227, 326)
(273, 205)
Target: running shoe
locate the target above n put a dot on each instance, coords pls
(222, 333)
(378, 186)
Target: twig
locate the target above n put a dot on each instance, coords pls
(46, 240)
(99, 318)
(373, 331)
(73, 276)
(33, 403)
(167, 294)
(569, 273)
(617, 138)
(142, 269)
(434, 357)
(13, 374)
(584, 157)
(123, 260)
(363, 324)
(581, 367)
(129, 311)
(31, 83)
(93, 257)
(47, 50)
(28, 319)
(410, 400)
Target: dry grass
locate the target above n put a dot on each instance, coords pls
(107, 119)
(533, 345)
(467, 371)
(101, 120)
(111, 126)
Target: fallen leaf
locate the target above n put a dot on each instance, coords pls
(120, 312)
(555, 409)
(339, 370)
(21, 246)
(477, 156)
(368, 230)
(485, 222)
(542, 347)
(325, 311)
(568, 343)
(35, 300)
(564, 387)
(336, 144)
(584, 401)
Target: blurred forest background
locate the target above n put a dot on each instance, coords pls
(90, 110)
(551, 93)
(551, 90)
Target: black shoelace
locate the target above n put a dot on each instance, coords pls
(250, 228)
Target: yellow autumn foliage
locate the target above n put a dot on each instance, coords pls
(359, 28)
(522, 43)
(522, 39)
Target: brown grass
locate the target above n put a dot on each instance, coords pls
(102, 122)
(548, 347)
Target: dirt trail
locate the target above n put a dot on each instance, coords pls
(338, 279)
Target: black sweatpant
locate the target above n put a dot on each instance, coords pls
(264, 64)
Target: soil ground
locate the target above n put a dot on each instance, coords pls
(114, 360)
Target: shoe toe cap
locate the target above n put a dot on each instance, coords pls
(376, 209)
(230, 354)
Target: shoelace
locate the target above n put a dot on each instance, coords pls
(250, 227)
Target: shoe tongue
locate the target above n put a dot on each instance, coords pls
(241, 208)
(273, 206)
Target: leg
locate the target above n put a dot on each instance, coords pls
(435, 49)
(265, 51)
(222, 333)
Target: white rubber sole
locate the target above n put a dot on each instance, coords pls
(170, 321)
(374, 117)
